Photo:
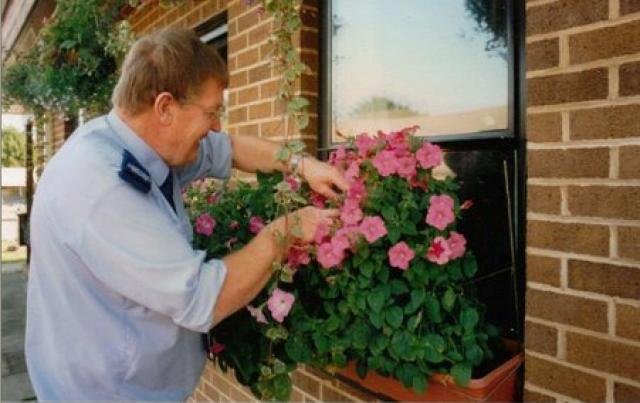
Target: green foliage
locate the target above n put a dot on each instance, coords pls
(407, 324)
(376, 106)
(14, 148)
(74, 62)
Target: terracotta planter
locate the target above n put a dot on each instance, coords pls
(497, 385)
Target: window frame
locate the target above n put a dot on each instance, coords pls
(512, 138)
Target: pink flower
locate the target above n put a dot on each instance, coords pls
(457, 243)
(298, 256)
(280, 304)
(338, 156)
(352, 172)
(440, 212)
(217, 348)
(317, 200)
(234, 225)
(322, 233)
(292, 182)
(400, 255)
(357, 191)
(386, 162)
(257, 313)
(256, 224)
(439, 252)
(364, 143)
(429, 155)
(230, 242)
(351, 213)
(340, 242)
(213, 198)
(372, 228)
(407, 167)
(205, 224)
(328, 256)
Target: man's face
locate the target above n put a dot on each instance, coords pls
(195, 118)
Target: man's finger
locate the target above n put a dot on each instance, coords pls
(327, 192)
(341, 182)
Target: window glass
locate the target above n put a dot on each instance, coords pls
(438, 64)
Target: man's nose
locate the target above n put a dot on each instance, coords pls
(216, 125)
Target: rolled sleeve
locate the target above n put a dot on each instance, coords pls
(215, 159)
(139, 253)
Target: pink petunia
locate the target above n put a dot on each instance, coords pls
(372, 228)
(292, 182)
(352, 172)
(229, 244)
(386, 163)
(457, 243)
(329, 256)
(317, 200)
(213, 198)
(407, 167)
(280, 304)
(400, 255)
(256, 224)
(364, 143)
(351, 213)
(298, 256)
(205, 224)
(429, 155)
(322, 233)
(337, 157)
(440, 213)
(357, 190)
(257, 314)
(234, 225)
(439, 251)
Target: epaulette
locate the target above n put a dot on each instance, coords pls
(132, 172)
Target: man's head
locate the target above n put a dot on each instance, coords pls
(173, 83)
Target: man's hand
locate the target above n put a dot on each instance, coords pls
(307, 219)
(322, 177)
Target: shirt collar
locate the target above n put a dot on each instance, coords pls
(145, 155)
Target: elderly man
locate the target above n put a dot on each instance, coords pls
(117, 297)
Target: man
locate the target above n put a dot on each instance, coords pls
(117, 297)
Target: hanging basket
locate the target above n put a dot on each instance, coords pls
(497, 385)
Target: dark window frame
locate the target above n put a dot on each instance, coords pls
(512, 139)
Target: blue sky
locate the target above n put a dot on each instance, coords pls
(423, 53)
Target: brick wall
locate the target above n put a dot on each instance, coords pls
(583, 253)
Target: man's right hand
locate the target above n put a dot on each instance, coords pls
(306, 219)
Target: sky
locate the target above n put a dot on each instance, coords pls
(426, 54)
(17, 121)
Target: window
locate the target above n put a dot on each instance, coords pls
(455, 69)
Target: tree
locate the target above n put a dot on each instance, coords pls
(375, 106)
(13, 147)
(491, 17)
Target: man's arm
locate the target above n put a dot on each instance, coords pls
(251, 154)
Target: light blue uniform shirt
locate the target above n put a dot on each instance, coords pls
(117, 297)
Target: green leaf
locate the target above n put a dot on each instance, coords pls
(389, 213)
(322, 343)
(448, 299)
(432, 355)
(414, 321)
(297, 349)
(361, 368)
(398, 287)
(376, 299)
(366, 268)
(394, 317)
(283, 154)
(461, 373)
(417, 298)
(469, 266)
(394, 235)
(469, 318)
(302, 121)
(419, 384)
(474, 354)
(433, 308)
(376, 319)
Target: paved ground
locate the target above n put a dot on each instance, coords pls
(15, 382)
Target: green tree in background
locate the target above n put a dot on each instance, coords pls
(13, 147)
(376, 106)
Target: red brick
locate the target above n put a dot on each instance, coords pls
(611, 122)
(541, 338)
(605, 201)
(260, 111)
(625, 393)
(272, 129)
(628, 7)
(604, 355)
(260, 73)
(629, 158)
(543, 199)
(629, 243)
(569, 87)
(564, 380)
(237, 43)
(531, 396)
(330, 394)
(544, 127)
(562, 14)
(260, 34)
(602, 278)
(627, 320)
(306, 383)
(266, 52)
(270, 89)
(567, 309)
(248, 21)
(248, 130)
(250, 94)
(248, 57)
(605, 43)
(575, 163)
(630, 79)
(542, 269)
(238, 79)
(578, 238)
(237, 115)
(543, 54)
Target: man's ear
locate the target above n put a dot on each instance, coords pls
(164, 107)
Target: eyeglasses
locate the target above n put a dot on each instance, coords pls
(219, 113)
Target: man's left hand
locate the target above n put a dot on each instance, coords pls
(322, 177)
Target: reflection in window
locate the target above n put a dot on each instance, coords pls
(438, 64)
